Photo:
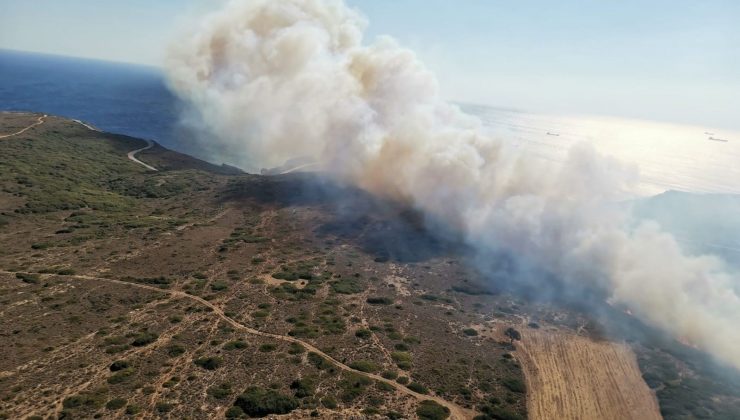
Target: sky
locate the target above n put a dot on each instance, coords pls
(676, 61)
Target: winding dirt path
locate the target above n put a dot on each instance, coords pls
(456, 412)
(38, 122)
(132, 155)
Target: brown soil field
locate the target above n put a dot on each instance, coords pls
(573, 377)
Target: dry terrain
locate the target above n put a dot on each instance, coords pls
(198, 291)
(574, 377)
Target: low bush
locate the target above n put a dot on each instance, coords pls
(121, 376)
(319, 362)
(352, 386)
(258, 402)
(175, 350)
(417, 387)
(234, 412)
(376, 300)
(266, 348)
(144, 338)
(329, 402)
(430, 410)
(514, 385)
(218, 286)
(363, 333)
(389, 374)
(364, 366)
(28, 278)
(470, 332)
(348, 286)
(116, 404)
(119, 365)
(220, 391)
(303, 387)
(209, 363)
(235, 345)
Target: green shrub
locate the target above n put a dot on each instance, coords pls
(352, 386)
(430, 410)
(329, 402)
(402, 359)
(377, 300)
(319, 362)
(260, 314)
(266, 348)
(28, 278)
(209, 363)
(234, 345)
(119, 365)
(403, 380)
(218, 286)
(385, 387)
(500, 413)
(175, 350)
(144, 338)
(116, 404)
(163, 407)
(417, 387)
(234, 412)
(220, 391)
(296, 348)
(258, 402)
(303, 387)
(514, 385)
(389, 374)
(363, 333)
(364, 366)
(470, 332)
(121, 376)
(348, 286)
(93, 399)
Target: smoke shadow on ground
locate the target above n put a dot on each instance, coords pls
(387, 230)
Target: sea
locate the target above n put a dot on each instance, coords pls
(115, 97)
(689, 175)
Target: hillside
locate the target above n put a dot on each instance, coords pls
(197, 291)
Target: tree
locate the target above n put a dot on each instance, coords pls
(513, 335)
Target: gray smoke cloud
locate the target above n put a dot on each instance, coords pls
(271, 80)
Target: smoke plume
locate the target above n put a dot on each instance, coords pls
(271, 80)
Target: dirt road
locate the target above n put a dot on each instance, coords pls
(132, 155)
(38, 122)
(573, 377)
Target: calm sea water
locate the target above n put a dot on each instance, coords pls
(118, 98)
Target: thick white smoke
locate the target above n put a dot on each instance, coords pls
(276, 79)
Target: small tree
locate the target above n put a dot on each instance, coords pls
(513, 335)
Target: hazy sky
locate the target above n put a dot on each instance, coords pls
(673, 60)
